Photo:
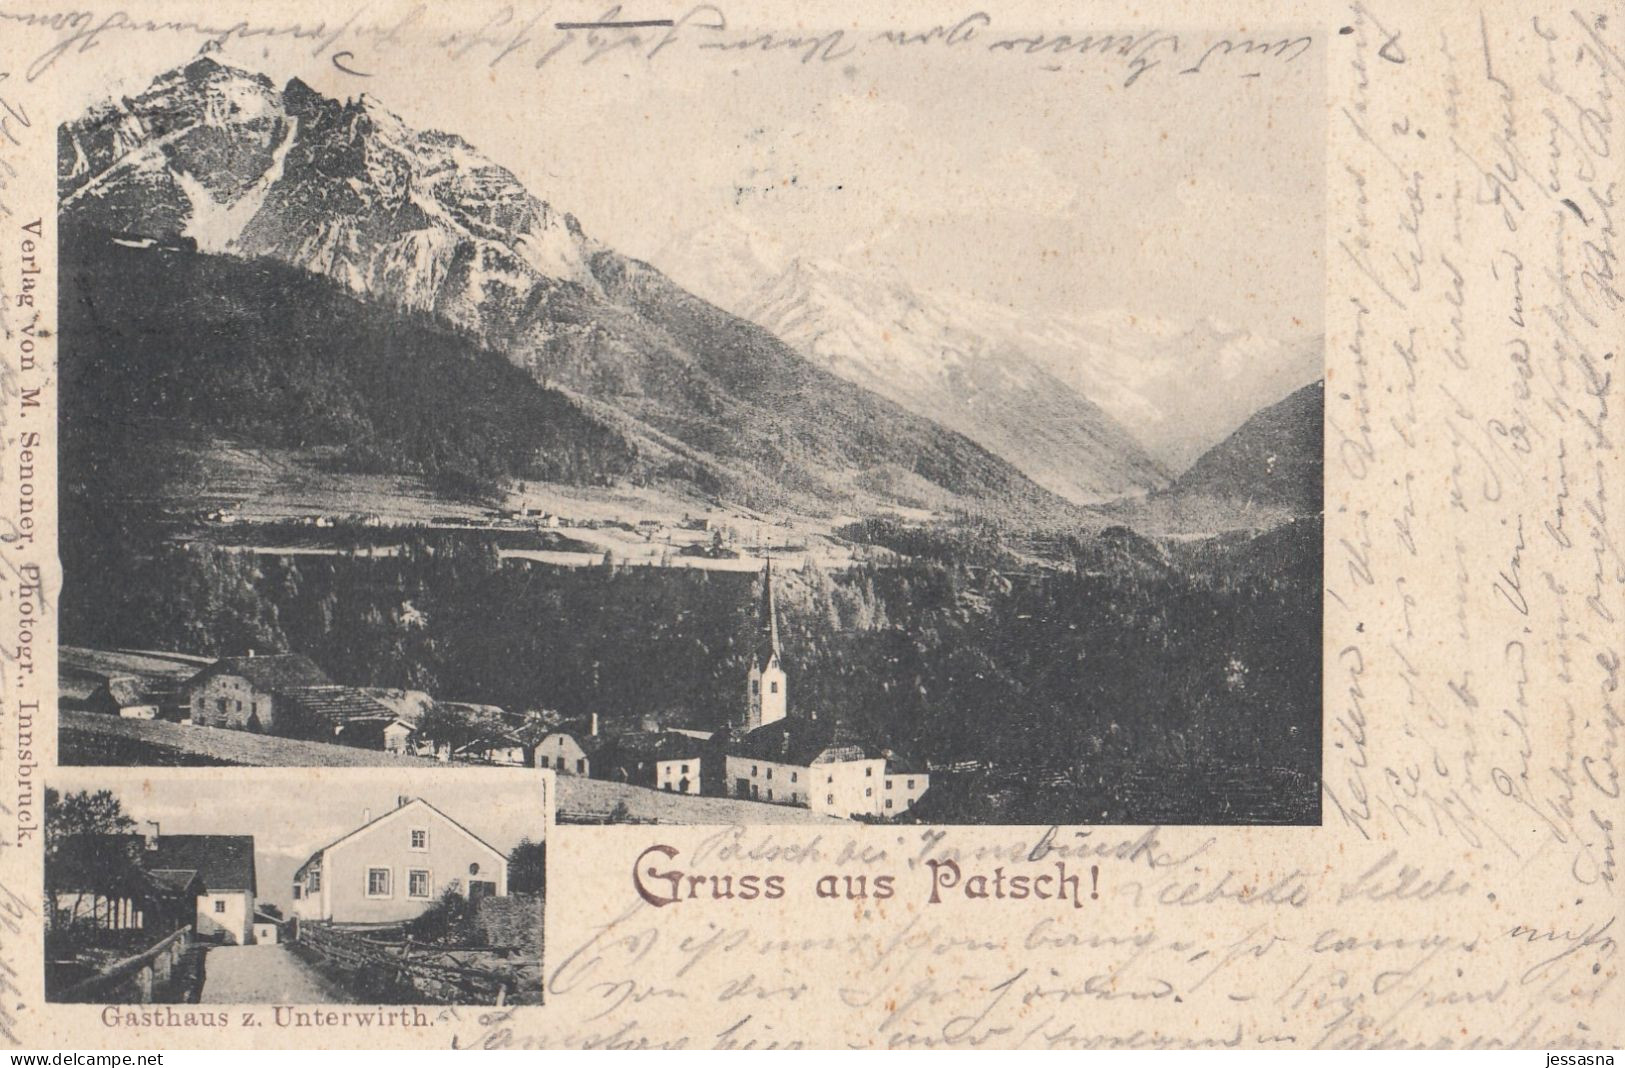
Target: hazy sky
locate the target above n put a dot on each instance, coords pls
(965, 169)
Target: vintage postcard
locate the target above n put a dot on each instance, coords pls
(860, 526)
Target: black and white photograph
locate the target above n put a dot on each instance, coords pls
(896, 449)
(334, 888)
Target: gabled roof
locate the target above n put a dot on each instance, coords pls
(635, 747)
(224, 862)
(273, 674)
(392, 813)
(802, 742)
(669, 745)
(336, 704)
(407, 704)
(489, 740)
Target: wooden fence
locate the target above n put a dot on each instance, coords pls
(440, 975)
(132, 981)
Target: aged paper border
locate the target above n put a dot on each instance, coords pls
(1464, 887)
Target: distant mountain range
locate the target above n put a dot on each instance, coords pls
(919, 352)
(1268, 471)
(784, 384)
(1173, 390)
(422, 222)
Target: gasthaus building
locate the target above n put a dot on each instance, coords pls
(391, 868)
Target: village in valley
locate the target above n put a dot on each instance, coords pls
(724, 526)
(770, 754)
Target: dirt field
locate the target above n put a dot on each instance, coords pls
(268, 485)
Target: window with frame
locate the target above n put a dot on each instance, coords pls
(219, 906)
(420, 838)
(378, 882)
(314, 880)
(774, 687)
(417, 883)
(829, 799)
(868, 791)
(298, 891)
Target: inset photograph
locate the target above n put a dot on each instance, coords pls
(296, 888)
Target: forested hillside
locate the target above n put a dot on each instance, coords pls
(1135, 657)
(166, 344)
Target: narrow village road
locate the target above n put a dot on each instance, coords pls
(252, 975)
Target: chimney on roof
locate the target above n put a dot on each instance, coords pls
(593, 730)
(152, 835)
(366, 815)
(401, 800)
(251, 654)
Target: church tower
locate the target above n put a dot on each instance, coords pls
(767, 699)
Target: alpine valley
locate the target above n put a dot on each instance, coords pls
(222, 166)
(813, 401)
(334, 386)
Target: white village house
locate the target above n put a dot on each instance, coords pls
(391, 868)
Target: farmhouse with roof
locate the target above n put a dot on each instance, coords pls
(569, 752)
(207, 880)
(659, 760)
(225, 864)
(285, 694)
(392, 868)
(249, 692)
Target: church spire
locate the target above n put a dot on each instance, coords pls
(767, 646)
(768, 699)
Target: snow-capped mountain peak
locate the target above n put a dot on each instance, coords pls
(346, 189)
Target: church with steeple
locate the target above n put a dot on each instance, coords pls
(803, 760)
(768, 698)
